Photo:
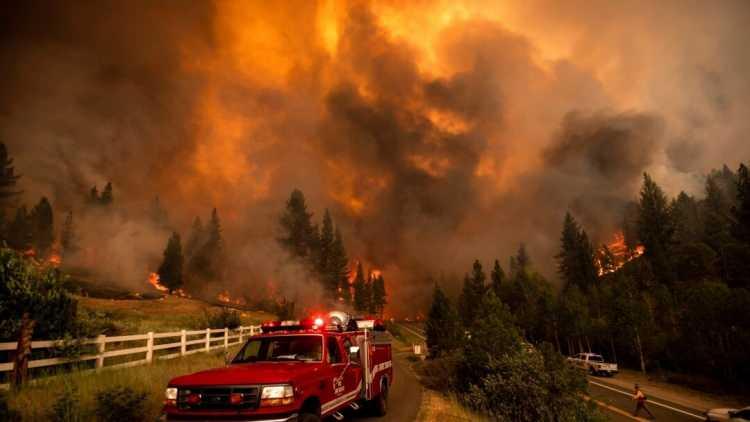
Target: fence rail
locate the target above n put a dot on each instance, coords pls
(208, 339)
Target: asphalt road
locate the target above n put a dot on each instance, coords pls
(404, 399)
(620, 399)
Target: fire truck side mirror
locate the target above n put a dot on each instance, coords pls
(354, 353)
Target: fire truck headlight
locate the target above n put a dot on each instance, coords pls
(277, 395)
(171, 394)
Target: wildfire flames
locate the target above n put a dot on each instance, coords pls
(224, 297)
(620, 254)
(153, 279)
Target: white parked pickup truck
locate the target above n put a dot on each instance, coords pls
(594, 364)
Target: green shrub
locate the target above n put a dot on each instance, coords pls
(439, 373)
(67, 407)
(121, 404)
(224, 318)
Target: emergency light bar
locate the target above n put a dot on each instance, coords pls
(334, 321)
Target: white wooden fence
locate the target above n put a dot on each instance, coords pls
(206, 340)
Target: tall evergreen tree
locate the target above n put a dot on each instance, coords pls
(716, 219)
(68, 238)
(42, 227)
(325, 254)
(687, 222)
(297, 229)
(170, 270)
(208, 261)
(8, 178)
(655, 228)
(361, 301)
(94, 197)
(471, 295)
(19, 231)
(498, 278)
(369, 294)
(741, 211)
(337, 271)
(568, 259)
(378, 294)
(442, 328)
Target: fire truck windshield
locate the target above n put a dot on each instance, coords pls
(282, 348)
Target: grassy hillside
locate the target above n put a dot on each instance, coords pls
(136, 316)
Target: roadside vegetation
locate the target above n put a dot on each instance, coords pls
(96, 396)
(679, 282)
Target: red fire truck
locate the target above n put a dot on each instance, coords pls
(294, 371)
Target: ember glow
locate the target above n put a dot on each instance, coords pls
(435, 131)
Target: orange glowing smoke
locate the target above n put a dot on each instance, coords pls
(620, 252)
(153, 279)
(55, 260)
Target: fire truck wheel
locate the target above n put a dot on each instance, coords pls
(308, 417)
(380, 403)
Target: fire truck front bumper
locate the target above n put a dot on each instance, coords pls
(244, 418)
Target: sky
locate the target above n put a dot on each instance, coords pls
(436, 132)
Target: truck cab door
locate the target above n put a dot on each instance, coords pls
(336, 368)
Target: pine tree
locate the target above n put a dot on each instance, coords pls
(170, 270)
(68, 238)
(741, 211)
(325, 254)
(19, 231)
(107, 196)
(442, 328)
(8, 178)
(337, 271)
(498, 278)
(471, 295)
(655, 228)
(207, 261)
(716, 219)
(42, 227)
(523, 261)
(379, 295)
(369, 294)
(568, 261)
(360, 290)
(298, 232)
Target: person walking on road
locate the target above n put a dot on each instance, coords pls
(640, 402)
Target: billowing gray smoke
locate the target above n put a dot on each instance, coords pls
(428, 153)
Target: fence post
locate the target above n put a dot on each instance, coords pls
(241, 328)
(150, 347)
(226, 338)
(208, 339)
(183, 340)
(101, 345)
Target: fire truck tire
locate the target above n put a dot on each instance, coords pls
(308, 417)
(380, 403)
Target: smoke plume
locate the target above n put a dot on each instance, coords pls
(436, 132)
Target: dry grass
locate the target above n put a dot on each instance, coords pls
(170, 313)
(35, 401)
(437, 407)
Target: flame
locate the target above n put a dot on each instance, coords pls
(55, 260)
(621, 252)
(224, 297)
(153, 279)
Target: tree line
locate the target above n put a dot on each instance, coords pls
(322, 250)
(680, 306)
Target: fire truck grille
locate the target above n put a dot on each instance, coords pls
(218, 398)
